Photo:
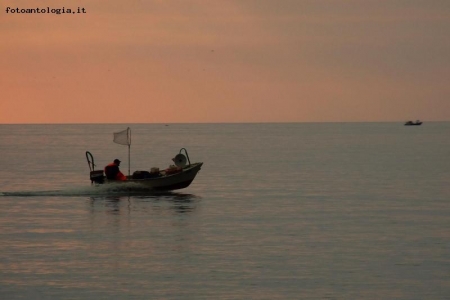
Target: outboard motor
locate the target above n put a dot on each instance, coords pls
(97, 176)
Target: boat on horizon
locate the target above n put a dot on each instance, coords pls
(411, 123)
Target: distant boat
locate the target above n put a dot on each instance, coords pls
(411, 123)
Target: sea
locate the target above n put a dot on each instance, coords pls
(278, 211)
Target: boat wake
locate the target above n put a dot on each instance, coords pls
(91, 191)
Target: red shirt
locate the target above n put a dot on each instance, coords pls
(113, 173)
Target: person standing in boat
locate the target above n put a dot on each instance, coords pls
(112, 171)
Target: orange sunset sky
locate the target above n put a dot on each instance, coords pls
(225, 61)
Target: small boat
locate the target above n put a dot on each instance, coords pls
(178, 176)
(175, 177)
(411, 123)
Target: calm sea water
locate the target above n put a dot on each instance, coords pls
(278, 211)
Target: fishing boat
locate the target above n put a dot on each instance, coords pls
(411, 123)
(177, 176)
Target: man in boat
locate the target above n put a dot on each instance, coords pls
(112, 171)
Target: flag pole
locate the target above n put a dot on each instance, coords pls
(128, 161)
(129, 148)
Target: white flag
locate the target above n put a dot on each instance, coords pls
(123, 137)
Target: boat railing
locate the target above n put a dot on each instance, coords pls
(187, 155)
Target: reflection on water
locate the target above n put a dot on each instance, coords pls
(170, 201)
(66, 246)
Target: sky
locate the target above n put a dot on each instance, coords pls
(201, 61)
